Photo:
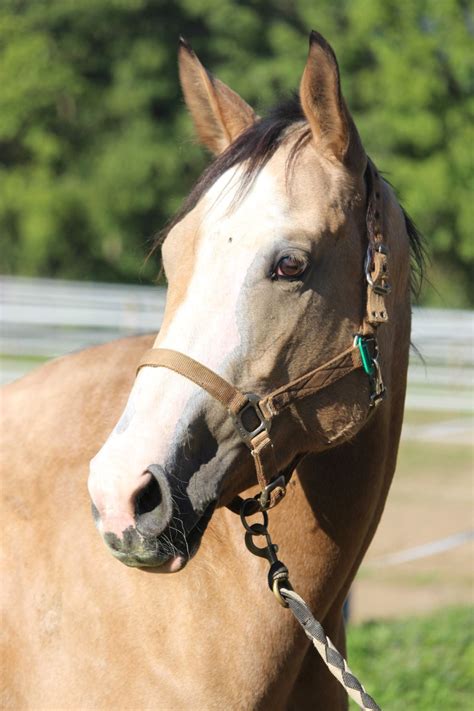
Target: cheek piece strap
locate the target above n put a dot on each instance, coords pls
(252, 415)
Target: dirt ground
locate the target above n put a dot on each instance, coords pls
(431, 498)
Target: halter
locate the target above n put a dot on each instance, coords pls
(252, 415)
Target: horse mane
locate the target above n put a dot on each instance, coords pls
(254, 148)
(418, 254)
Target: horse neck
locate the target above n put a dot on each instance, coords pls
(324, 525)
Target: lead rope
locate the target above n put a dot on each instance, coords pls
(334, 661)
(278, 581)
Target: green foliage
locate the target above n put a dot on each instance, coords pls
(96, 151)
(420, 664)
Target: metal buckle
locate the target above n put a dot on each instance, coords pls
(371, 366)
(383, 288)
(378, 387)
(361, 343)
(264, 424)
(264, 496)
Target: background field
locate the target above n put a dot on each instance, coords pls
(430, 500)
(411, 637)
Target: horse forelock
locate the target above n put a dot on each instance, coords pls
(254, 148)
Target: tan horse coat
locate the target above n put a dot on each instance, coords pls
(82, 631)
(85, 632)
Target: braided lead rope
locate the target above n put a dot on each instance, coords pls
(334, 661)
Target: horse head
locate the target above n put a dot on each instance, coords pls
(266, 281)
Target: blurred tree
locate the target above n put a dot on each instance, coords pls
(96, 151)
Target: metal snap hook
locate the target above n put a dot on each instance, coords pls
(250, 507)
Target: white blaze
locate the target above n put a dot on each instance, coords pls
(203, 327)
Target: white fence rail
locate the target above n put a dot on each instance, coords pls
(42, 318)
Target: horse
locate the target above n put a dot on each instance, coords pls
(283, 349)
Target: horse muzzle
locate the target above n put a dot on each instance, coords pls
(152, 533)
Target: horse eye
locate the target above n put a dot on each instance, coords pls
(290, 267)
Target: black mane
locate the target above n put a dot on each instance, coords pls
(255, 147)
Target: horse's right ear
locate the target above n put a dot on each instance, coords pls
(333, 129)
(219, 114)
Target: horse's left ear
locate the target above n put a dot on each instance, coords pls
(332, 126)
(219, 114)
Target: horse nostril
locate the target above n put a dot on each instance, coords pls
(153, 504)
(148, 498)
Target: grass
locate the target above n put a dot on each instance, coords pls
(433, 459)
(24, 359)
(414, 578)
(428, 417)
(421, 664)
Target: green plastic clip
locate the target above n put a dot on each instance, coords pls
(367, 362)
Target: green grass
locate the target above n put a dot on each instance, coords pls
(433, 459)
(421, 664)
(428, 417)
(12, 360)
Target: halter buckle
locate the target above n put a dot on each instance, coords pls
(264, 497)
(377, 384)
(381, 289)
(251, 409)
(371, 366)
(381, 286)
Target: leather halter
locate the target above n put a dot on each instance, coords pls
(251, 414)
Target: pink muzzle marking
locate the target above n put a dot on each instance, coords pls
(116, 509)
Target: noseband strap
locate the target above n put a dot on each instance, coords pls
(252, 415)
(180, 363)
